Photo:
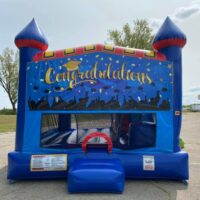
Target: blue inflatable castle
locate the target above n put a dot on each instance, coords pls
(98, 114)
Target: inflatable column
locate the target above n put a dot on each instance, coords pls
(30, 41)
(169, 40)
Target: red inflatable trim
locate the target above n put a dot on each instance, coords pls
(100, 48)
(31, 43)
(169, 42)
(97, 134)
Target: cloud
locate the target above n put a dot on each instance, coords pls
(195, 89)
(178, 15)
(155, 23)
(186, 12)
(191, 96)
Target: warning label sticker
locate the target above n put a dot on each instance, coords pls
(148, 163)
(49, 162)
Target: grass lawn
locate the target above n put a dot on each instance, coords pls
(7, 123)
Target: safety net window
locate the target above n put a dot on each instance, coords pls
(69, 130)
(91, 123)
(127, 131)
(49, 123)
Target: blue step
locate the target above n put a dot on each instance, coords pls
(96, 175)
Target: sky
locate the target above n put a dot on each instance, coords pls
(71, 23)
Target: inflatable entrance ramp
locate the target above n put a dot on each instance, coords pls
(96, 175)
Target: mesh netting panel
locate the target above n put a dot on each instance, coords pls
(49, 122)
(90, 121)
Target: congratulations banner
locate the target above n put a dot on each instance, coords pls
(100, 81)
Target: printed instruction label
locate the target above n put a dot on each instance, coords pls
(49, 162)
(148, 163)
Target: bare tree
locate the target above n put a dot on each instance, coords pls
(139, 36)
(9, 74)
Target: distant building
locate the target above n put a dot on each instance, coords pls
(196, 107)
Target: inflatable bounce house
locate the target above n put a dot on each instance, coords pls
(98, 114)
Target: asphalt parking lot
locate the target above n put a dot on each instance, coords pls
(134, 189)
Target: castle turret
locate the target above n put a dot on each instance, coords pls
(169, 40)
(30, 41)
